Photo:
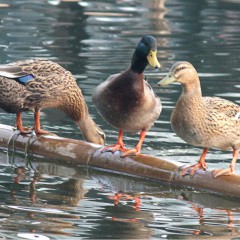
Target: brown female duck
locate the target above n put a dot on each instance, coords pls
(126, 101)
(209, 122)
(39, 83)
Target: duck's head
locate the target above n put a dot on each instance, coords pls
(182, 72)
(144, 54)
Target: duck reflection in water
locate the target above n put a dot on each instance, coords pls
(199, 203)
(124, 206)
(123, 196)
(20, 175)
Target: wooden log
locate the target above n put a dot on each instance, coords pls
(57, 149)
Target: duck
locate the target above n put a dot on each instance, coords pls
(36, 84)
(207, 122)
(126, 101)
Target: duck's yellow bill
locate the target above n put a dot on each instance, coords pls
(152, 59)
(167, 80)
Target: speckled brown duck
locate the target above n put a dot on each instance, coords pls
(209, 122)
(126, 101)
(38, 84)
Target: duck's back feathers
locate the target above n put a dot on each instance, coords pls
(230, 109)
(39, 83)
(35, 84)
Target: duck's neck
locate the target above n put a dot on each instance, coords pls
(138, 64)
(127, 81)
(90, 130)
(192, 90)
(74, 105)
(75, 108)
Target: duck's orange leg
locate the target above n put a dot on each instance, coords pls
(116, 147)
(200, 165)
(37, 125)
(19, 125)
(230, 170)
(138, 147)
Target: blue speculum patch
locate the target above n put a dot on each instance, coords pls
(25, 79)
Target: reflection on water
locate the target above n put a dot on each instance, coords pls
(94, 39)
(58, 202)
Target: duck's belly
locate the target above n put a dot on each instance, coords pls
(127, 115)
(130, 121)
(133, 122)
(11, 96)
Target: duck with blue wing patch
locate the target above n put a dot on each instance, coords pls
(37, 84)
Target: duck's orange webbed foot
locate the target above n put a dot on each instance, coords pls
(113, 148)
(116, 147)
(131, 152)
(194, 167)
(43, 132)
(230, 170)
(222, 172)
(24, 130)
(200, 165)
(37, 125)
(138, 147)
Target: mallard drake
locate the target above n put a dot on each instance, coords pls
(39, 83)
(209, 122)
(126, 101)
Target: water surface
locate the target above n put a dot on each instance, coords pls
(94, 39)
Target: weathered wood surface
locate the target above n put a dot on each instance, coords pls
(57, 149)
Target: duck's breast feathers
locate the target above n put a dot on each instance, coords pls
(127, 80)
(122, 92)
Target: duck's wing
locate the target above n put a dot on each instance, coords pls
(14, 72)
(148, 86)
(230, 109)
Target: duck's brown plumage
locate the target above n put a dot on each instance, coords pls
(126, 101)
(50, 86)
(131, 106)
(209, 122)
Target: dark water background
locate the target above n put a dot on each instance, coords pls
(94, 39)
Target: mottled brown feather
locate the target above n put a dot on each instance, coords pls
(52, 87)
(210, 122)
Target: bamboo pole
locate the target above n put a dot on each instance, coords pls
(57, 149)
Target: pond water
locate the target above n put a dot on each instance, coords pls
(94, 39)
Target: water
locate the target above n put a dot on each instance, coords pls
(94, 39)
